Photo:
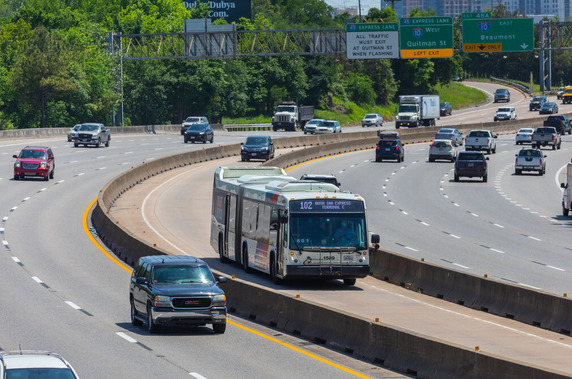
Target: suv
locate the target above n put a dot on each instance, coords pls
(34, 364)
(471, 164)
(502, 94)
(372, 119)
(192, 120)
(442, 149)
(389, 146)
(324, 178)
(505, 113)
(92, 134)
(536, 103)
(172, 289)
(199, 133)
(260, 147)
(36, 161)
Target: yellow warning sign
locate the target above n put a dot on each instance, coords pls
(427, 53)
(476, 47)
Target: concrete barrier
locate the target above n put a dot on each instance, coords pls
(395, 348)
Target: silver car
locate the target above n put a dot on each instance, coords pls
(372, 119)
(329, 126)
(452, 134)
(524, 135)
(442, 149)
(312, 125)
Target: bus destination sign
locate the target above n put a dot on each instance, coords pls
(326, 205)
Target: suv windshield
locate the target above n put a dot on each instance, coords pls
(503, 110)
(192, 119)
(36, 154)
(163, 274)
(256, 141)
(199, 127)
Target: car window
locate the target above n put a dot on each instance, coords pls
(526, 131)
(39, 373)
(370, 116)
(192, 119)
(441, 144)
(479, 133)
(181, 274)
(470, 156)
(35, 154)
(503, 110)
(259, 141)
(530, 153)
(88, 128)
(387, 143)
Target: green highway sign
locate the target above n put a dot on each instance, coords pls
(372, 40)
(498, 34)
(426, 37)
(476, 15)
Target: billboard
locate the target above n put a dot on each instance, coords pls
(230, 10)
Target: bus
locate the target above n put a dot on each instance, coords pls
(268, 221)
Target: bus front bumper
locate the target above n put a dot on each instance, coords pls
(328, 272)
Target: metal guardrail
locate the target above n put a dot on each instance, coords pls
(246, 127)
(520, 87)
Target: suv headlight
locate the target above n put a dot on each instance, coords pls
(94, 136)
(162, 301)
(17, 164)
(219, 300)
(43, 165)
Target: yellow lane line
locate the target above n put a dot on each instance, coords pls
(126, 268)
(319, 159)
(297, 349)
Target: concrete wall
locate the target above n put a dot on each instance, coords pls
(395, 348)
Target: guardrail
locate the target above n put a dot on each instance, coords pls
(520, 87)
(393, 347)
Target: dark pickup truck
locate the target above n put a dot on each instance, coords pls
(560, 122)
(546, 136)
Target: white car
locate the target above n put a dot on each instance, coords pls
(505, 113)
(329, 126)
(524, 135)
(372, 119)
(34, 364)
(192, 120)
(311, 125)
(72, 133)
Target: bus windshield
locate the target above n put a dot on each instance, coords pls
(319, 230)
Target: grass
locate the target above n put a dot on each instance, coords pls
(457, 94)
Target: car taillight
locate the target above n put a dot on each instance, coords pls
(518, 135)
(552, 137)
(396, 148)
(432, 143)
(378, 148)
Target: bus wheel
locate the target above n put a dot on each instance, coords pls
(245, 259)
(350, 282)
(223, 259)
(274, 269)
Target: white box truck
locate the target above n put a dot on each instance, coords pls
(417, 110)
(567, 195)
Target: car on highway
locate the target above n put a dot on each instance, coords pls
(548, 107)
(546, 136)
(199, 133)
(524, 135)
(537, 102)
(72, 133)
(452, 134)
(257, 147)
(193, 120)
(34, 364)
(566, 95)
(92, 134)
(481, 140)
(505, 113)
(329, 126)
(324, 178)
(311, 125)
(559, 93)
(176, 289)
(446, 109)
(35, 162)
(501, 94)
(530, 159)
(471, 164)
(561, 122)
(389, 146)
(372, 119)
(442, 149)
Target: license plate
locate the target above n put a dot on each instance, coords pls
(192, 137)
(348, 258)
(470, 165)
(254, 154)
(387, 149)
(528, 167)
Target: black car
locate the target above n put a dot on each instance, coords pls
(199, 133)
(471, 164)
(502, 94)
(389, 147)
(172, 289)
(548, 107)
(446, 109)
(257, 147)
(537, 102)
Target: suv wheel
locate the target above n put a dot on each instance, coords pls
(134, 320)
(107, 142)
(485, 178)
(52, 173)
(219, 328)
(151, 326)
(350, 282)
(456, 177)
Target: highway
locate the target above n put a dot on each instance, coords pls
(63, 294)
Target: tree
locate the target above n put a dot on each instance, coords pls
(41, 71)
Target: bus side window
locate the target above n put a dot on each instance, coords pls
(274, 218)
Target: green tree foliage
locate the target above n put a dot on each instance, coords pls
(359, 88)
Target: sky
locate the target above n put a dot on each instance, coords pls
(365, 4)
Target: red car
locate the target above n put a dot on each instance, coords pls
(35, 161)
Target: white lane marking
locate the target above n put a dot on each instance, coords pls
(124, 163)
(37, 280)
(43, 189)
(367, 160)
(74, 306)
(424, 223)
(73, 161)
(5, 243)
(410, 248)
(101, 156)
(499, 226)
(13, 209)
(498, 251)
(126, 337)
(391, 202)
(529, 286)
(196, 375)
(5, 219)
(474, 214)
(385, 194)
(475, 318)
(454, 236)
(459, 265)
(15, 259)
(556, 268)
(80, 174)
(26, 199)
(456, 204)
(534, 238)
(60, 181)
(352, 166)
(128, 152)
(387, 180)
(102, 168)
(341, 172)
(1, 230)
(405, 213)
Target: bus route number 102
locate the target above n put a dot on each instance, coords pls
(306, 205)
